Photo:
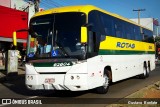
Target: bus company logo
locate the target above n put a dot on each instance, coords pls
(125, 45)
(20, 101)
(6, 101)
(150, 47)
(60, 64)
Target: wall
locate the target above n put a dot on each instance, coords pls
(146, 22)
(6, 3)
(12, 20)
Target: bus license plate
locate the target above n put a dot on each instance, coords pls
(49, 80)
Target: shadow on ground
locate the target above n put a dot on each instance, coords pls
(17, 85)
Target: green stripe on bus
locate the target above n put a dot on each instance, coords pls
(123, 52)
(43, 64)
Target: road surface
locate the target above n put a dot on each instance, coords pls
(16, 89)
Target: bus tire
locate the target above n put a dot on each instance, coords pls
(149, 69)
(104, 89)
(145, 72)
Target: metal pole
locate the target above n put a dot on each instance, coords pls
(139, 10)
(158, 30)
(139, 17)
(28, 43)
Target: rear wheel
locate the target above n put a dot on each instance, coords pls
(145, 72)
(149, 69)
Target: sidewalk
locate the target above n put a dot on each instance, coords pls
(146, 97)
(157, 62)
(3, 76)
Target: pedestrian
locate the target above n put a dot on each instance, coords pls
(23, 54)
(3, 56)
(12, 47)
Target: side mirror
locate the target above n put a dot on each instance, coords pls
(83, 34)
(14, 38)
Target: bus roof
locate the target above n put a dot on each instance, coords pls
(86, 9)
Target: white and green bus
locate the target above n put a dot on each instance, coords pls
(83, 47)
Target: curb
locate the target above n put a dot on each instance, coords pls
(12, 76)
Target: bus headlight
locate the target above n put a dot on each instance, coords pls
(72, 77)
(77, 77)
(29, 77)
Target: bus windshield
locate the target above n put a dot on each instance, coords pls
(57, 35)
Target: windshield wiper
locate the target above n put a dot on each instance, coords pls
(62, 49)
(60, 46)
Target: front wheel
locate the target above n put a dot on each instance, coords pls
(104, 89)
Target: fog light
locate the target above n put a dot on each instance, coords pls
(31, 77)
(27, 77)
(78, 77)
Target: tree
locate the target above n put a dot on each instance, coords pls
(36, 4)
(157, 43)
(157, 39)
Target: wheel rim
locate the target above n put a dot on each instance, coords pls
(145, 71)
(106, 83)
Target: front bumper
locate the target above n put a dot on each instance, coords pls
(73, 82)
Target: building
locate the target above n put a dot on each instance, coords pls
(11, 19)
(20, 5)
(150, 23)
(15, 15)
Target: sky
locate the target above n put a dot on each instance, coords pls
(121, 7)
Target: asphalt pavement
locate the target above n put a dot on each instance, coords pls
(17, 89)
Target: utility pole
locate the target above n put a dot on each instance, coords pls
(139, 10)
(36, 5)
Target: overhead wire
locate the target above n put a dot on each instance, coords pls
(55, 3)
(46, 5)
(50, 4)
(65, 2)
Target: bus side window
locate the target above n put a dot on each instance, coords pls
(118, 25)
(107, 22)
(148, 36)
(137, 34)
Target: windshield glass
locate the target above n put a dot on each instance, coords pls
(57, 35)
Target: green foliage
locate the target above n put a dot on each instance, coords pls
(157, 39)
